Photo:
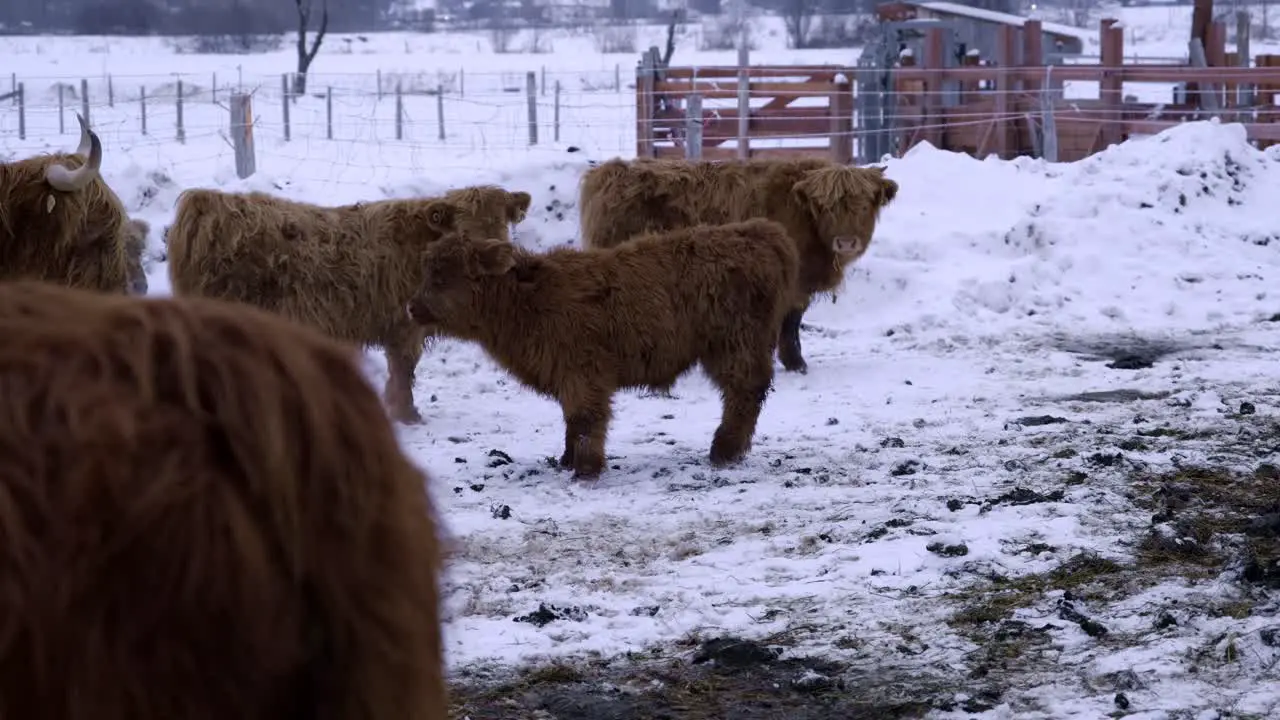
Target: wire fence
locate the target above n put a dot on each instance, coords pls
(365, 127)
(396, 121)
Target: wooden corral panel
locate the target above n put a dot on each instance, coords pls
(791, 111)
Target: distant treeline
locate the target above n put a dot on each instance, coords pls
(248, 19)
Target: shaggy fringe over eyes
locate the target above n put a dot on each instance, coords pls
(204, 513)
(829, 186)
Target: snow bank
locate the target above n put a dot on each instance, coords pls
(1172, 231)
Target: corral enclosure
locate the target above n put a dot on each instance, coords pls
(1022, 99)
(1037, 381)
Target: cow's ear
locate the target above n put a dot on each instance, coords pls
(442, 216)
(491, 257)
(518, 206)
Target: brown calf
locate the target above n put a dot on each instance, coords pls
(579, 325)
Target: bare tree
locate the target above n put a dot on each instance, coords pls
(798, 17)
(677, 16)
(305, 56)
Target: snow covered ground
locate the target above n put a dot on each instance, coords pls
(1031, 472)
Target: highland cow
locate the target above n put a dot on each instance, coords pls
(346, 271)
(136, 232)
(59, 221)
(204, 514)
(829, 211)
(578, 325)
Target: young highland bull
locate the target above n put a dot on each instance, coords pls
(578, 325)
(60, 223)
(829, 211)
(204, 514)
(347, 271)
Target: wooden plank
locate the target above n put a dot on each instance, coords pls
(729, 91)
(676, 117)
(721, 130)
(773, 71)
(1094, 73)
(722, 154)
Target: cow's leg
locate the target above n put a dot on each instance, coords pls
(586, 425)
(744, 379)
(789, 340)
(402, 360)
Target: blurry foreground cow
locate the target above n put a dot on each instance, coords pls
(204, 515)
(346, 271)
(577, 325)
(60, 223)
(829, 211)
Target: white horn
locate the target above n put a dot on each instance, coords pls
(83, 150)
(66, 180)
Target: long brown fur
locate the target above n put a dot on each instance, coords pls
(578, 325)
(829, 210)
(136, 232)
(77, 241)
(346, 271)
(204, 515)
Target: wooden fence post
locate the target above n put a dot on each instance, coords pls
(440, 109)
(646, 78)
(932, 117)
(242, 134)
(84, 101)
(531, 90)
(111, 92)
(399, 111)
(693, 126)
(556, 115)
(328, 112)
(22, 111)
(182, 129)
(62, 123)
(744, 98)
(142, 97)
(284, 104)
(841, 103)
(1244, 91)
(1111, 85)
(1006, 52)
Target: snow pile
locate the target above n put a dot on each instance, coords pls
(1161, 233)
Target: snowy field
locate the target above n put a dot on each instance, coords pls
(1031, 473)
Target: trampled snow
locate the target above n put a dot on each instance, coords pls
(954, 426)
(959, 323)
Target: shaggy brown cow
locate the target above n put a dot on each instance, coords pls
(578, 325)
(135, 246)
(60, 222)
(204, 514)
(347, 271)
(829, 210)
